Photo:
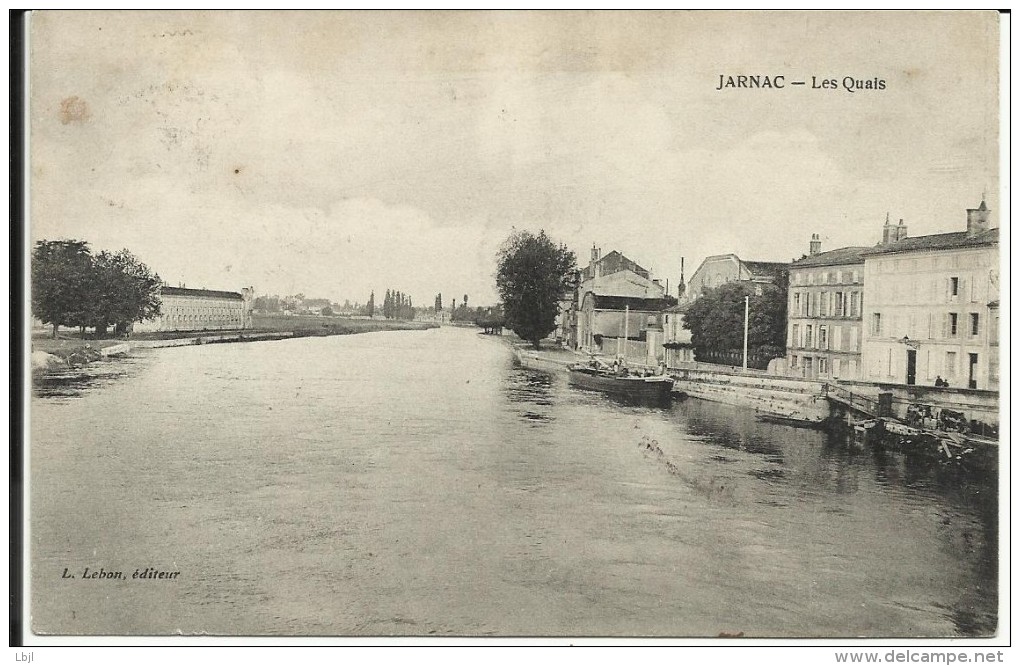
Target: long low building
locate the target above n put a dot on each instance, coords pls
(185, 309)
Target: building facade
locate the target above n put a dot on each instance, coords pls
(610, 276)
(824, 313)
(201, 310)
(678, 348)
(605, 322)
(932, 307)
(722, 268)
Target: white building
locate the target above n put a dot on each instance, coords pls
(931, 307)
(201, 310)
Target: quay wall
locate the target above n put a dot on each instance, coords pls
(800, 399)
(975, 404)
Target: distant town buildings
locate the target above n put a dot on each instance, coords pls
(185, 309)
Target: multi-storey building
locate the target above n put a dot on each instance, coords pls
(824, 313)
(932, 307)
(607, 280)
(184, 309)
(722, 268)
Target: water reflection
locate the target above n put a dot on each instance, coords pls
(530, 393)
(418, 483)
(74, 382)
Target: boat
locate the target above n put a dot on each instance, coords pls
(655, 387)
(792, 421)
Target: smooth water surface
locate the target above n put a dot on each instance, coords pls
(416, 482)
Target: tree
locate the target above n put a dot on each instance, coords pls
(124, 291)
(61, 282)
(370, 308)
(531, 275)
(716, 319)
(70, 287)
(326, 311)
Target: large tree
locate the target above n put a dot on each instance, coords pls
(62, 282)
(716, 318)
(71, 287)
(531, 276)
(126, 291)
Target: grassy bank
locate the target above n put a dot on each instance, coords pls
(63, 347)
(69, 341)
(318, 325)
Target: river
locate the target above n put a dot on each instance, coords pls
(416, 482)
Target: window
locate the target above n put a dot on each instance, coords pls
(807, 364)
(823, 338)
(855, 304)
(822, 366)
(876, 323)
(807, 335)
(974, 327)
(795, 339)
(835, 367)
(793, 361)
(954, 286)
(950, 368)
(837, 309)
(953, 323)
(824, 307)
(796, 303)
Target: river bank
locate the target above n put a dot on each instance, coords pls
(806, 403)
(54, 354)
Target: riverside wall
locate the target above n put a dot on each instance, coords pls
(799, 399)
(976, 405)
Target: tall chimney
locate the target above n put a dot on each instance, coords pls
(901, 230)
(977, 219)
(888, 231)
(816, 245)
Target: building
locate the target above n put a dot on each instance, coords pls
(722, 268)
(201, 310)
(609, 323)
(678, 347)
(612, 276)
(824, 313)
(932, 306)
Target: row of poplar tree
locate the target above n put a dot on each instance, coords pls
(397, 305)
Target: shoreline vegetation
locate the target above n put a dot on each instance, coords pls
(69, 348)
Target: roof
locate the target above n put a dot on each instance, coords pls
(632, 302)
(950, 241)
(765, 268)
(201, 293)
(614, 262)
(842, 256)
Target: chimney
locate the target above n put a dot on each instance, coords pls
(901, 230)
(681, 288)
(816, 245)
(977, 219)
(888, 231)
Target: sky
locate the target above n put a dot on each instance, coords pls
(337, 153)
